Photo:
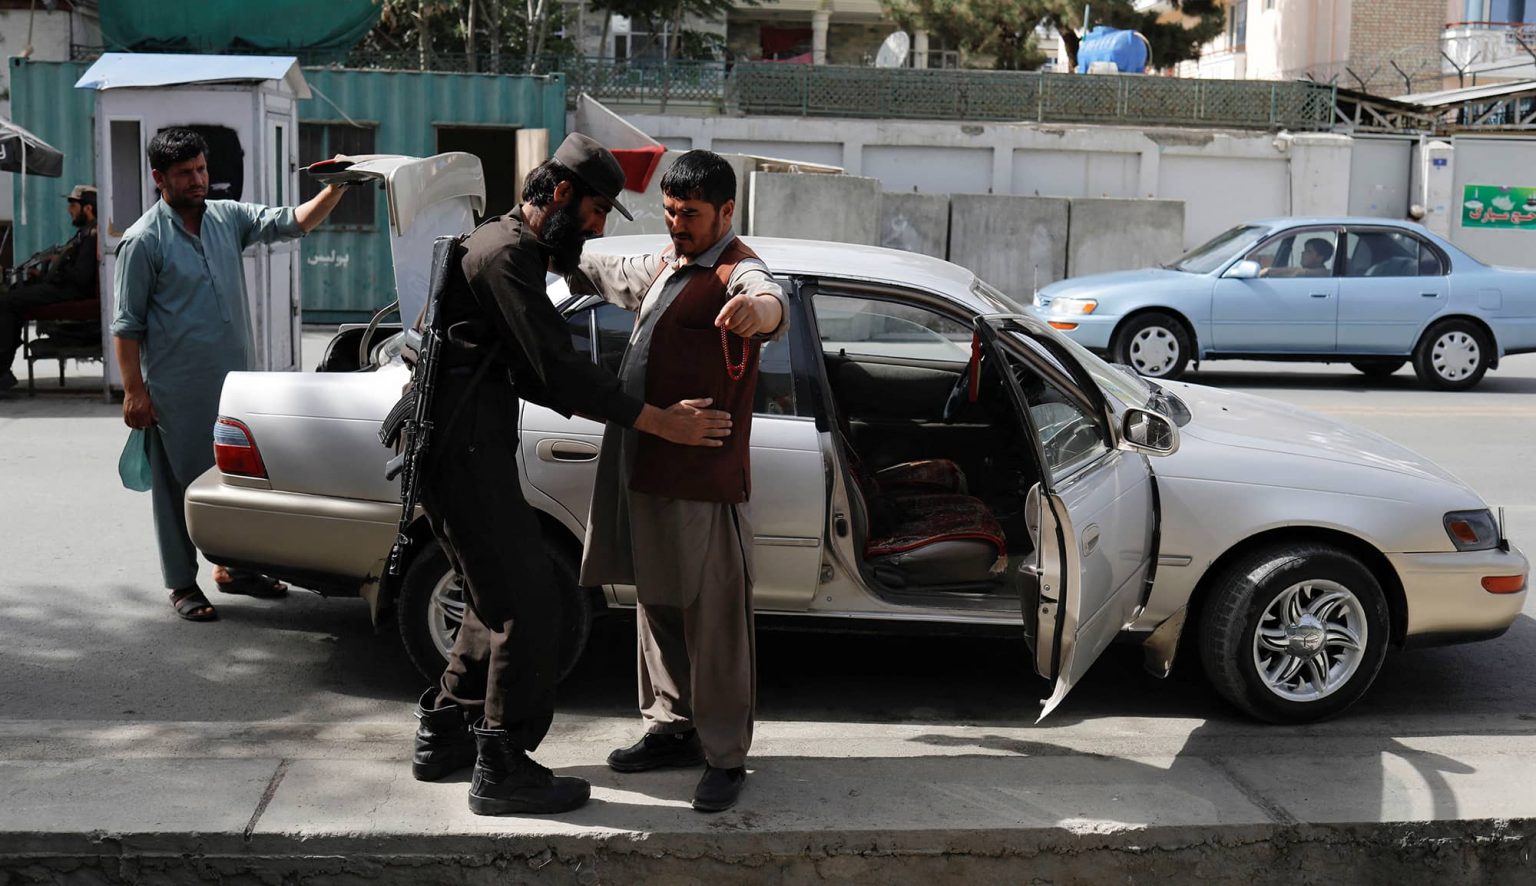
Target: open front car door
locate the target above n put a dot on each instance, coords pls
(1092, 513)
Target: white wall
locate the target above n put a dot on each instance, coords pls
(1223, 177)
(51, 34)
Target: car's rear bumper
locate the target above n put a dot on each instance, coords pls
(1446, 600)
(301, 533)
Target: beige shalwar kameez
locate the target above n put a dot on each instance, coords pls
(690, 561)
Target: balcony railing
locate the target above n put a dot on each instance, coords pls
(1475, 44)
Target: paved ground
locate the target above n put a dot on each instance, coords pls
(276, 739)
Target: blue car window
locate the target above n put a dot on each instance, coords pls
(1303, 254)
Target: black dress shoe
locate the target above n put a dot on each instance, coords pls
(719, 788)
(657, 751)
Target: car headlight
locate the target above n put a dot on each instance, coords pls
(1073, 306)
(1472, 530)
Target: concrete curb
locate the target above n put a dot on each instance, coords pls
(1485, 851)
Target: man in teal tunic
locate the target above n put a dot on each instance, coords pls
(182, 322)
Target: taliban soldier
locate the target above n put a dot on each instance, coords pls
(505, 661)
(669, 520)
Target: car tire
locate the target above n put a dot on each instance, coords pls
(431, 603)
(1453, 355)
(1277, 629)
(1378, 368)
(1155, 344)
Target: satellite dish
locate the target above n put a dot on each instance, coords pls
(893, 52)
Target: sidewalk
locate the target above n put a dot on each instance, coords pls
(845, 803)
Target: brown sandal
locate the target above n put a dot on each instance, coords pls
(191, 605)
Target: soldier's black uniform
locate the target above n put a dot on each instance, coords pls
(506, 658)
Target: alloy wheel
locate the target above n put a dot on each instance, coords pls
(445, 614)
(1311, 639)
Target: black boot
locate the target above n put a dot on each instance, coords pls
(444, 744)
(719, 788)
(507, 782)
(655, 751)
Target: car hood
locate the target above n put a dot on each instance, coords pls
(1324, 453)
(1096, 284)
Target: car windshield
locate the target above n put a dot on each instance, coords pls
(1218, 251)
(1121, 383)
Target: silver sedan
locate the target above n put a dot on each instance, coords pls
(926, 452)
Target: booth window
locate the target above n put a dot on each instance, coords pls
(322, 141)
(127, 152)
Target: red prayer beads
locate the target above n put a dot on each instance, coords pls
(737, 371)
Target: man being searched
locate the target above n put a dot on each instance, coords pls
(68, 274)
(672, 521)
(182, 322)
(507, 342)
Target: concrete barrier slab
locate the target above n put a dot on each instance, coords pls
(838, 208)
(915, 223)
(1014, 243)
(1119, 235)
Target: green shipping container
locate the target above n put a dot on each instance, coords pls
(346, 264)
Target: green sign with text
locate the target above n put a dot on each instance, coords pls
(1490, 206)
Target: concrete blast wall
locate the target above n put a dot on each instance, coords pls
(839, 208)
(1117, 235)
(1011, 242)
(1224, 177)
(915, 223)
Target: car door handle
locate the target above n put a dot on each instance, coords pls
(1319, 295)
(1090, 539)
(1430, 294)
(566, 451)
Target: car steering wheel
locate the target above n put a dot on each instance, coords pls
(961, 392)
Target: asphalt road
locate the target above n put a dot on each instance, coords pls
(87, 637)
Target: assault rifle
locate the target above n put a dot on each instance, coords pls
(410, 421)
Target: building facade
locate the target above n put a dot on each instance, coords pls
(1387, 47)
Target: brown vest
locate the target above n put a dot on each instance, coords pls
(687, 362)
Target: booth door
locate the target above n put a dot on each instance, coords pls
(280, 261)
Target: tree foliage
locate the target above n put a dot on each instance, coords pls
(477, 29)
(1003, 30)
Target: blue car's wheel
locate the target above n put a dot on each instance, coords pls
(1154, 344)
(1453, 355)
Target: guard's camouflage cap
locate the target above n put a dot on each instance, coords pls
(595, 165)
(82, 194)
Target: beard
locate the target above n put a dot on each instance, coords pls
(565, 238)
(80, 221)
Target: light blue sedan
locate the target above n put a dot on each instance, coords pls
(1370, 292)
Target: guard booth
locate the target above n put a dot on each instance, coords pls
(245, 107)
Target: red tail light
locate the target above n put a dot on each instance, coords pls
(234, 449)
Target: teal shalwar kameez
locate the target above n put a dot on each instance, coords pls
(183, 298)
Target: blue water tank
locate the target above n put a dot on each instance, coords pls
(1127, 49)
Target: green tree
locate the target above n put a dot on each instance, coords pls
(475, 29)
(1003, 31)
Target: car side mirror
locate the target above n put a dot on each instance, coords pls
(1142, 430)
(1247, 269)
